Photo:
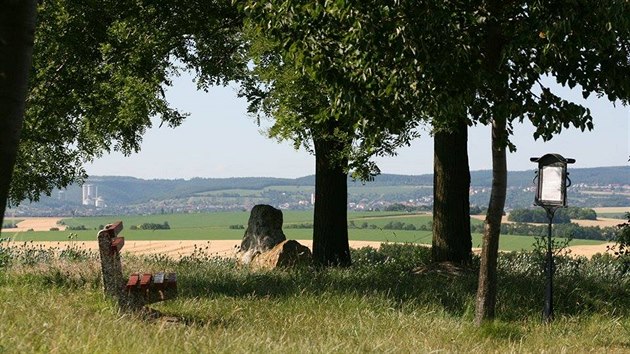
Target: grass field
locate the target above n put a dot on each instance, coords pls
(612, 215)
(54, 304)
(215, 226)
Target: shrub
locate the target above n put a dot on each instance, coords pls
(299, 226)
(621, 249)
(397, 225)
(538, 216)
(78, 227)
(154, 226)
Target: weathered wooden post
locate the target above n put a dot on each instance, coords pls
(109, 245)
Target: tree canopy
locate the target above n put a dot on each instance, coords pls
(98, 79)
(482, 61)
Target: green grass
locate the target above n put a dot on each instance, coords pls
(612, 215)
(54, 304)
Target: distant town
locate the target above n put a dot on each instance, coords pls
(595, 187)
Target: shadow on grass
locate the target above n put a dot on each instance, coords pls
(581, 286)
(597, 286)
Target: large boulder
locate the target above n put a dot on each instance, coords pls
(264, 232)
(289, 253)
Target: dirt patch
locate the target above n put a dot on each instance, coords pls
(612, 210)
(601, 222)
(35, 224)
(589, 250)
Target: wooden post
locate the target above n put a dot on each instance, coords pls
(109, 246)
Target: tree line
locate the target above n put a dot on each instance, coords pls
(565, 230)
(561, 216)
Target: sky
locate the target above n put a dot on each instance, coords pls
(219, 140)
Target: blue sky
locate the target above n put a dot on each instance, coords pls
(219, 140)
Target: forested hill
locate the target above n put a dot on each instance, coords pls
(596, 176)
(591, 176)
(124, 190)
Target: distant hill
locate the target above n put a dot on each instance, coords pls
(218, 193)
(591, 176)
(127, 190)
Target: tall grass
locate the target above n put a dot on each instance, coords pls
(52, 302)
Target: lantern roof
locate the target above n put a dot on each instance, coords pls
(548, 159)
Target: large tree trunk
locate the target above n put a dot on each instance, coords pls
(330, 220)
(451, 207)
(17, 29)
(487, 289)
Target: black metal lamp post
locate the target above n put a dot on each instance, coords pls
(551, 194)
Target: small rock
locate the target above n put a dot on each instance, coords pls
(289, 253)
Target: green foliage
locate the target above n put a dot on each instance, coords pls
(398, 225)
(281, 85)
(154, 226)
(11, 224)
(98, 79)
(307, 225)
(571, 230)
(407, 208)
(461, 60)
(621, 249)
(77, 228)
(561, 216)
(538, 215)
(581, 213)
(477, 210)
(236, 227)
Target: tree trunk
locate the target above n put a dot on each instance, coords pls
(17, 30)
(487, 289)
(451, 207)
(330, 221)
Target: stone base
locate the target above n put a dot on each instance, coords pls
(286, 254)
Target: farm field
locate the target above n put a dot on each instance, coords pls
(216, 226)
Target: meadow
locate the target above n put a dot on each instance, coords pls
(390, 300)
(216, 226)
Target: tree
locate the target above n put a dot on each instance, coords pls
(575, 43)
(17, 27)
(361, 49)
(276, 89)
(98, 79)
(300, 107)
(452, 240)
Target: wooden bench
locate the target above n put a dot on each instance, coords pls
(141, 288)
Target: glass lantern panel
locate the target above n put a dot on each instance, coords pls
(551, 184)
